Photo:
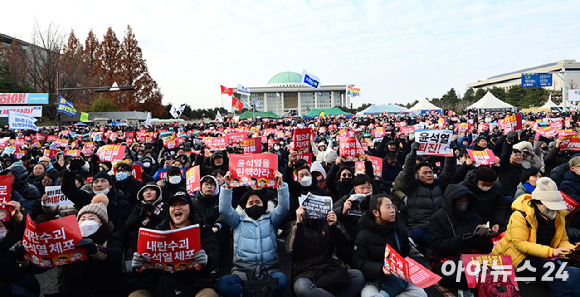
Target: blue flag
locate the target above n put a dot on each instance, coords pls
(66, 107)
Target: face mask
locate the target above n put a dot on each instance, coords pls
(89, 228)
(346, 180)
(139, 157)
(550, 214)
(545, 149)
(174, 180)
(105, 191)
(86, 167)
(306, 181)
(255, 212)
(3, 234)
(461, 205)
(484, 188)
(172, 153)
(276, 147)
(121, 176)
(146, 164)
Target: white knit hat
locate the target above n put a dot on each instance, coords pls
(547, 192)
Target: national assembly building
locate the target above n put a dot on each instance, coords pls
(285, 94)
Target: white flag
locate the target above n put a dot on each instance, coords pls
(21, 121)
(174, 112)
(258, 105)
(148, 120)
(181, 108)
(219, 117)
(243, 90)
(310, 80)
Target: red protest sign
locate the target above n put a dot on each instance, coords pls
(379, 132)
(62, 142)
(571, 204)
(408, 270)
(72, 153)
(547, 131)
(192, 179)
(306, 157)
(170, 143)
(359, 167)
(51, 138)
(216, 143)
(351, 149)
(129, 135)
(52, 243)
(171, 250)
(41, 137)
(512, 123)
(462, 128)
(556, 125)
(111, 152)
(482, 127)
(485, 157)
(49, 153)
(248, 170)
(570, 143)
(477, 266)
(566, 132)
(406, 130)
(237, 138)
(137, 172)
(5, 189)
(301, 140)
(252, 146)
(88, 148)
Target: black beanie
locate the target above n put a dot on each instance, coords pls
(104, 175)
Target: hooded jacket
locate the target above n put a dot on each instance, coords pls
(170, 189)
(520, 238)
(492, 207)
(448, 226)
(254, 240)
(571, 185)
(369, 248)
(144, 214)
(208, 206)
(28, 195)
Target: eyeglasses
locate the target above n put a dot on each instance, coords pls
(391, 206)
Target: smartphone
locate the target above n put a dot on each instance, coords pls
(481, 230)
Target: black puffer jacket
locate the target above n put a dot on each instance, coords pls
(312, 244)
(146, 215)
(208, 206)
(95, 277)
(492, 206)
(130, 188)
(422, 199)
(369, 249)
(447, 227)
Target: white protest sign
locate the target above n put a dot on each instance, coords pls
(434, 142)
(55, 197)
(316, 206)
(21, 121)
(356, 200)
(574, 95)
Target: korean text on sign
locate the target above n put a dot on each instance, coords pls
(171, 250)
(256, 169)
(434, 142)
(52, 243)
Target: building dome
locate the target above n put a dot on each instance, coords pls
(287, 78)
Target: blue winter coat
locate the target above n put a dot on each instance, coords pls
(254, 240)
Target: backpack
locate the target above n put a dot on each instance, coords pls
(489, 288)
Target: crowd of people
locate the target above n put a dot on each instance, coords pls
(424, 206)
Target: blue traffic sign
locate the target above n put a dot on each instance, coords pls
(536, 80)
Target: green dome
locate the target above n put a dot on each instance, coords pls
(287, 77)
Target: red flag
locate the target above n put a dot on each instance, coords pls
(237, 104)
(227, 90)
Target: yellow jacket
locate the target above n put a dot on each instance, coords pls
(520, 238)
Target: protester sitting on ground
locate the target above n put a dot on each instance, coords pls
(102, 273)
(190, 282)
(315, 272)
(511, 169)
(424, 193)
(452, 230)
(536, 234)
(254, 227)
(379, 226)
(492, 207)
(125, 183)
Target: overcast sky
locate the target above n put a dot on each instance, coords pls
(394, 51)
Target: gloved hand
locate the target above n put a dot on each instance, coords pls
(76, 163)
(137, 260)
(201, 257)
(147, 208)
(453, 145)
(471, 238)
(512, 137)
(89, 245)
(415, 146)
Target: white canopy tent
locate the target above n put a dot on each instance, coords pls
(490, 103)
(549, 104)
(424, 107)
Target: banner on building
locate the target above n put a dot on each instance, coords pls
(34, 111)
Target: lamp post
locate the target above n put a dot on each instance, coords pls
(112, 88)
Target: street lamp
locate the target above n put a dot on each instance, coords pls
(112, 88)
